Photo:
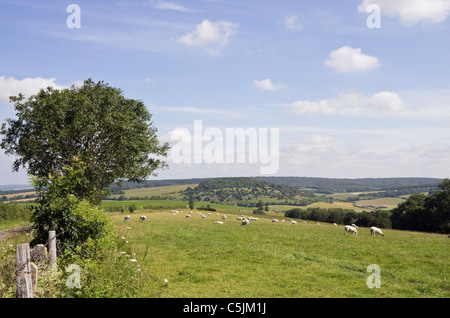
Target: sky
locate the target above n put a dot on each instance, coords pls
(341, 89)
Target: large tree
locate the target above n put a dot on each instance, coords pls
(95, 124)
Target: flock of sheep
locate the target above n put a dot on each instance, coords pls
(246, 221)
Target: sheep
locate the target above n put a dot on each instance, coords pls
(142, 218)
(245, 222)
(334, 224)
(274, 220)
(293, 222)
(374, 231)
(240, 218)
(188, 216)
(126, 218)
(203, 216)
(218, 222)
(224, 217)
(349, 228)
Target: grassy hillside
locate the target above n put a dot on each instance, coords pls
(201, 259)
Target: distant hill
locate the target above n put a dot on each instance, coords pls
(248, 191)
(331, 185)
(320, 185)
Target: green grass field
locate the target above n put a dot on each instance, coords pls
(201, 259)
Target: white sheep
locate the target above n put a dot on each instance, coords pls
(188, 216)
(245, 222)
(349, 228)
(126, 218)
(218, 222)
(224, 217)
(334, 224)
(374, 231)
(142, 218)
(293, 222)
(274, 220)
(203, 216)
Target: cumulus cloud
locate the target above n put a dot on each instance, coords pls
(351, 104)
(9, 86)
(268, 85)
(348, 59)
(412, 11)
(212, 36)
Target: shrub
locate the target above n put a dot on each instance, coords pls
(76, 222)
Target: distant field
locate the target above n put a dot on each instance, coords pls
(389, 203)
(342, 205)
(201, 259)
(157, 191)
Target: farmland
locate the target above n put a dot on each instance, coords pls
(201, 259)
(192, 257)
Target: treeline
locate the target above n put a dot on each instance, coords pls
(379, 218)
(428, 213)
(335, 185)
(392, 193)
(420, 212)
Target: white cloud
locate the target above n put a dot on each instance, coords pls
(352, 104)
(9, 86)
(412, 11)
(348, 59)
(212, 36)
(268, 85)
(292, 23)
(164, 5)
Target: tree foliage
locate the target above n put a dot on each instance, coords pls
(421, 212)
(76, 222)
(114, 136)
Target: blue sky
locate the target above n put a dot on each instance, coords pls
(349, 100)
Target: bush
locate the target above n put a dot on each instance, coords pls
(259, 211)
(76, 222)
(12, 212)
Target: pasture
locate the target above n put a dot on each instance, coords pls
(198, 258)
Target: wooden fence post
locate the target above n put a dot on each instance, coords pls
(52, 248)
(23, 271)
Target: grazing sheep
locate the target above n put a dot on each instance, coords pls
(349, 228)
(126, 218)
(293, 222)
(245, 222)
(188, 216)
(334, 224)
(142, 218)
(274, 220)
(218, 222)
(374, 231)
(240, 218)
(224, 217)
(203, 216)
